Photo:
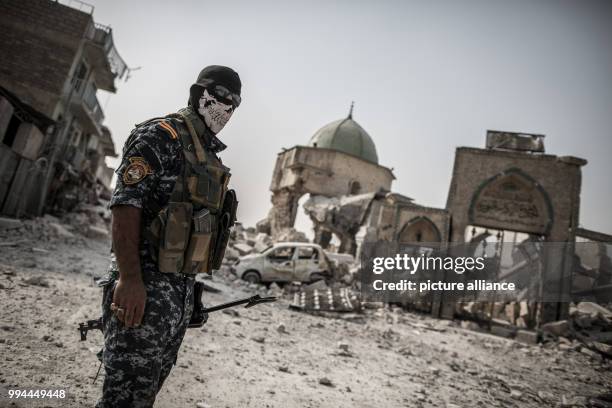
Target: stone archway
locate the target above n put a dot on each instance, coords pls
(419, 229)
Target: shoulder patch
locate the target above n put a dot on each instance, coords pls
(169, 129)
(137, 170)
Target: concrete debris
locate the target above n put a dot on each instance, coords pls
(290, 235)
(318, 285)
(342, 216)
(10, 223)
(13, 243)
(592, 309)
(231, 254)
(37, 281)
(275, 290)
(263, 226)
(503, 331)
(262, 241)
(600, 401)
(85, 222)
(231, 312)
(326, 381)
(343, 346)
(559, 329)
(526, 336)
(60, 230)
(589, 324)
(97, 232)
(469, 325)
(243, 249)
(602, 348)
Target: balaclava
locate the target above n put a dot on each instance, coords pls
(215, 95)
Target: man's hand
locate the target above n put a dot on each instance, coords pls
(129, 300)
(130, 294)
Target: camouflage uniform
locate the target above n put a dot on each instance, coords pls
(138, 360)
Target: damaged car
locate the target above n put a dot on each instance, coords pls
(285, 262)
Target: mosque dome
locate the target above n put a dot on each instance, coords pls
(346, 135)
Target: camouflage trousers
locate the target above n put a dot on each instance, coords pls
(137, 360)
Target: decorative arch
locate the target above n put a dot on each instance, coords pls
(419, 229)
(512, 200)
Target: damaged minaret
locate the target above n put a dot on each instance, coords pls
(340, 160)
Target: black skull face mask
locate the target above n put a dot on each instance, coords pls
(215, 113)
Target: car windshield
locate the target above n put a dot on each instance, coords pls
(265, 249)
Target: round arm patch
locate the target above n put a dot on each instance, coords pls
(136, 171)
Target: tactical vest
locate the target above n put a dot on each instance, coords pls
(190, 234)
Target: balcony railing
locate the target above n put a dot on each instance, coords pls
(102, 35)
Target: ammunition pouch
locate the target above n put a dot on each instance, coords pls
(169, 233)
(197, 257)
(206, 185)
(181, 240)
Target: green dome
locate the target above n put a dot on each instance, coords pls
(347, 136)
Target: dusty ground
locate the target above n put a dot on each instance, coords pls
(241, 359)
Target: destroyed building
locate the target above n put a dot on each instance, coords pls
(508, 191)
(53, 140)
(340, 160)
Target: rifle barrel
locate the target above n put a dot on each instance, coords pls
(226, 305)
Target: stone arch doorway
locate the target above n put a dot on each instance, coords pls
(419, 235)
(419, 229)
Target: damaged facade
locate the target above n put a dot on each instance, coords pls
(510, 190)
(54, 143)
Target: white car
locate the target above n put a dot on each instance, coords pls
(284, 262)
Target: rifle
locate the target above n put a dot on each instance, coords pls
(250, 302)
(89, 325)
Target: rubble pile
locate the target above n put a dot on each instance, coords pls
(86, 221)
(588, 329)
(245, 241)
(518, 314)
(342, 215)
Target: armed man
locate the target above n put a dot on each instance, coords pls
(171, 214)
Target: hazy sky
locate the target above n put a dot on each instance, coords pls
(426, 77)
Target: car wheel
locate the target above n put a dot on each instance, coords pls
(252, 277)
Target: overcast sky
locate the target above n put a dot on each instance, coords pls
(426, 77)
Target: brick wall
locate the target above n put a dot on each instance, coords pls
(39, 40)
